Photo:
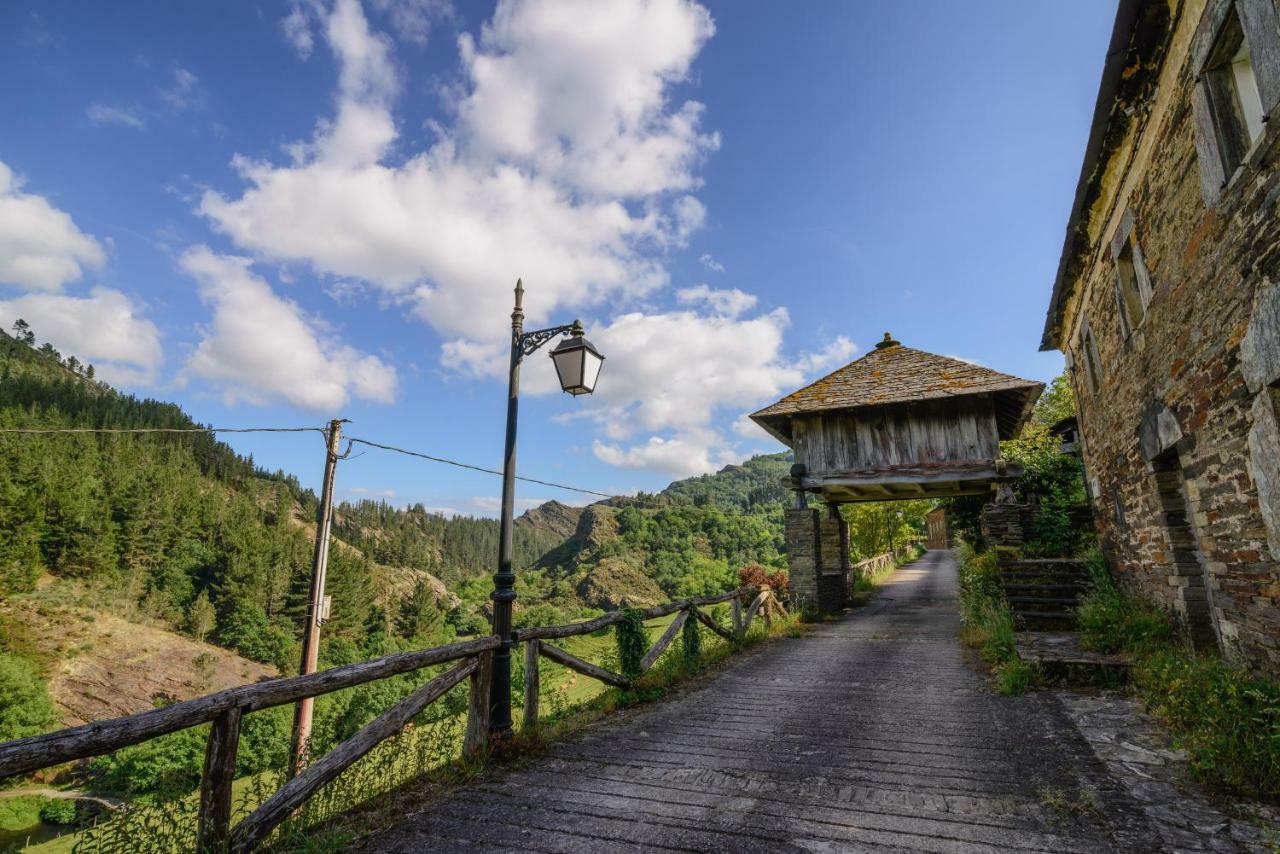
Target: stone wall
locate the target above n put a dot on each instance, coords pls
(817, 559)
(1180, 442)
(1005, 524)
(800, 528)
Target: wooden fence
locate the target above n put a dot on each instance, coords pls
(536, 644)
(226, 709)
(872, 565)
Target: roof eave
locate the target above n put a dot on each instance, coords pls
(1121, 32)
(763, 421)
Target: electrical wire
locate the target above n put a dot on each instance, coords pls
(470, 467)
(28, 430)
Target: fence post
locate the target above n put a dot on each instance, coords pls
(532, 683)
(215, 785)
(477, 738)
(315, 604)
(737, 614)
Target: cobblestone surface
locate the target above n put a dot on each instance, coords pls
(871, 734)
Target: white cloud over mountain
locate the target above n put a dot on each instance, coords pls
(105, 329)
(41, 249)
(260, 346)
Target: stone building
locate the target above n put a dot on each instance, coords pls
(1167, 306)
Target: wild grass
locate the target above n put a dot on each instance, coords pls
(987, 623)
(1227, 719)
(426, 754)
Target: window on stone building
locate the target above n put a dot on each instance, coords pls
(1233, 92)
(1133, 284)
(1238, 62)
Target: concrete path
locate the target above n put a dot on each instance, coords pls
(871, 734)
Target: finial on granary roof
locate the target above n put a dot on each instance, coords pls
(888, 342)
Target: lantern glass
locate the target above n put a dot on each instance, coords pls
(577, 364)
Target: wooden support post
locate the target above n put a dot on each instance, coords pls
(706, 620)
(532, 683)
(250, 833)
(586, 668)
(655, 651)
(737, 615)
(478, 711)
(215, 785)
(315, 604)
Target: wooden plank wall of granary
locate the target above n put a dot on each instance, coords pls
(961, 429)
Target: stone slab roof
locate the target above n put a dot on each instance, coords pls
(893, 374)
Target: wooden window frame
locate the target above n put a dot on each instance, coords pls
(1132, 277)
(1223, 147)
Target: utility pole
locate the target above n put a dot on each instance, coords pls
(315, 603)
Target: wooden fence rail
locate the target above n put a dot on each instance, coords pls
(537, 647)
(226, 710)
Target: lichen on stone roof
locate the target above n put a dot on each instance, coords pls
(892, 373)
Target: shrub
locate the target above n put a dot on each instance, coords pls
(25, 708)
(59, 811)
(690, 640)
(754, 575)
(1228, 721)
(633, 642)
(988, 623)
(1109, 620)
(167, 766)
(1016, 677)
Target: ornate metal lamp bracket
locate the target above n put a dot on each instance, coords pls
(529, 342)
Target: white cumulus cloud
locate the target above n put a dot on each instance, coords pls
(577, 181)
(730, 302)
(260, 346)
(40, 247)
(105, 329)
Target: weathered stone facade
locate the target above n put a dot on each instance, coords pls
(1180, 437)
(817, 559)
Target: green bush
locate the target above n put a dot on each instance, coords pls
(59, 811)
(167, 766)
(633, 642)
(1228, 721)
(1109, 620)
(1016, 677)
(691, 640)
(25, 707)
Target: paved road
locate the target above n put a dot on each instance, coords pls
(872, 734)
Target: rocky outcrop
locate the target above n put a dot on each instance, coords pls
(619, 582)
(553, 517)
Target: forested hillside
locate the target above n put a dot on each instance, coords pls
(177, 532)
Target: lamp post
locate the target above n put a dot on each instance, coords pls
(578, 367)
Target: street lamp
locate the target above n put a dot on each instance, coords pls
(578, 366)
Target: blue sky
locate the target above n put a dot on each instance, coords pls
(277, 213)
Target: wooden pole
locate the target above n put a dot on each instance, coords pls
(315, 604)
(215, 787)
(476, 740)
(532, 683)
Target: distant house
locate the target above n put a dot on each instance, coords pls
(1167, 306)
(939, 530)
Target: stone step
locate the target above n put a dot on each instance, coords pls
(1051, 585)
(1044, 615)
(1015, 601)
